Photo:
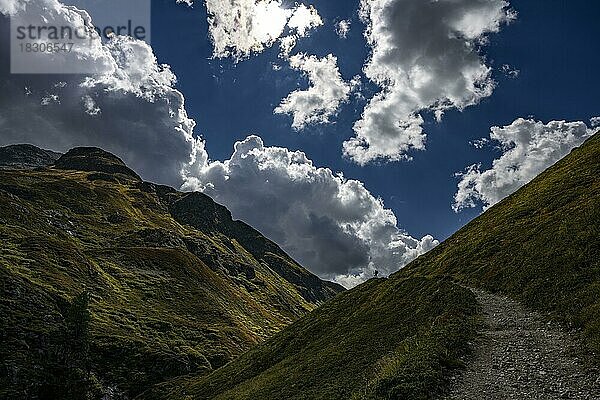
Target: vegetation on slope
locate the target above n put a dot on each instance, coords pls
(384, 339)
(395, 338)
(164, 298)
(540, 246)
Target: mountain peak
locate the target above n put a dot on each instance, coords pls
(166, 283)
(26, 156)
(94, 159)
(202, 212)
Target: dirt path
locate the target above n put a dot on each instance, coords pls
(518, 356)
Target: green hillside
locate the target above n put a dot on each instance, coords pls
(540, 246)
(388, 338)
(109, 284)
(397, 338)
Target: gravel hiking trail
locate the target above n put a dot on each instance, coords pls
(519, 356)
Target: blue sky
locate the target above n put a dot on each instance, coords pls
(552, 43)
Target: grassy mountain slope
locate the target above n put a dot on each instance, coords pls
(353, 347)
(394, 338)
(540, 246)
(112, 284)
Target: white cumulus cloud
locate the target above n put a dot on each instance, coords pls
(239, 28)
(332, 225)
(528, 148)
(321, 101)
(304, 19)
(342, 28)
(129, 106)
(426, 56)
